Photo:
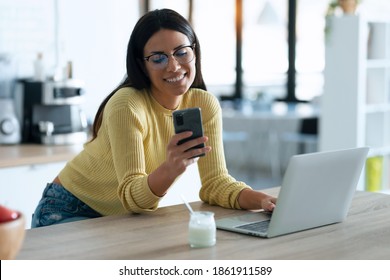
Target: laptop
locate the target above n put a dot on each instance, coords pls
(317, 190)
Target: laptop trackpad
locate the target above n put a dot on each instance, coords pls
(244, 219)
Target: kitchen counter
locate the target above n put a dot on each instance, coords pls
(163, 234)
(27, 154)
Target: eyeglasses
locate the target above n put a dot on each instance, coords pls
(182, 55)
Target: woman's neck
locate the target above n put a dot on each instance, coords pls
(167, 101)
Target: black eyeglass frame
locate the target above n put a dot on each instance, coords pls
(146, 58)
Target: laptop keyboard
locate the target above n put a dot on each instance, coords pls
(256, 226)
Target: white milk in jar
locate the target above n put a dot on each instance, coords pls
(202, 229)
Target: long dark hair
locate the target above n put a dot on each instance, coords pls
(136, 77)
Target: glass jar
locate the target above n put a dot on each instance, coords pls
(202, 229)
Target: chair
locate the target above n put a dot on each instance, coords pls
(305, 139)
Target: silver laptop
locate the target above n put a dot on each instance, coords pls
(317, 190)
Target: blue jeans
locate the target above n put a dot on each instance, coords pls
(58, 205)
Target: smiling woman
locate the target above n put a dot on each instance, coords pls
(172, 74)
(135, 156)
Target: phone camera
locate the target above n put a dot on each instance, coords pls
(179, 119)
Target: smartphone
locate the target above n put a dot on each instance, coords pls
(189, 120)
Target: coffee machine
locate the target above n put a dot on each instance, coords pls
(50, 112)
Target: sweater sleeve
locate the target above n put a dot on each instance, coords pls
(125, 132)
(218, 187)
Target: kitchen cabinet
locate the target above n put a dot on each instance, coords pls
(21, 187)
(24, 171)
(355, 105)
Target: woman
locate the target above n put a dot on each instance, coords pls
(134, 156)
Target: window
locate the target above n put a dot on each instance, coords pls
(264, 43)
(215, 26)
(265, 47)
(179, 6)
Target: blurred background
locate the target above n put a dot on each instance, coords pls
(254, 54)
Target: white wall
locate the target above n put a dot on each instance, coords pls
(93, 34)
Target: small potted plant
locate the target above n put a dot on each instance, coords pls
(339, 7)
(346, 6)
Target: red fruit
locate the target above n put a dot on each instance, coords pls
(7, 214)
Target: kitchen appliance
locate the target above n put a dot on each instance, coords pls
(9, 124)
(50, 112)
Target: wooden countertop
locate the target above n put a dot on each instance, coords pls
(27, 154)
(163, 235)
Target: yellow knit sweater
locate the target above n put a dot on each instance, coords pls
(110, 174)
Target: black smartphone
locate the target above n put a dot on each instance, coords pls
(189, 120)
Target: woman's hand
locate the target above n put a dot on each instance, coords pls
(268, 203)
(253, 200)
(181, 156)
(178, 158)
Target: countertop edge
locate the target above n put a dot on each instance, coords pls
(30, 154)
